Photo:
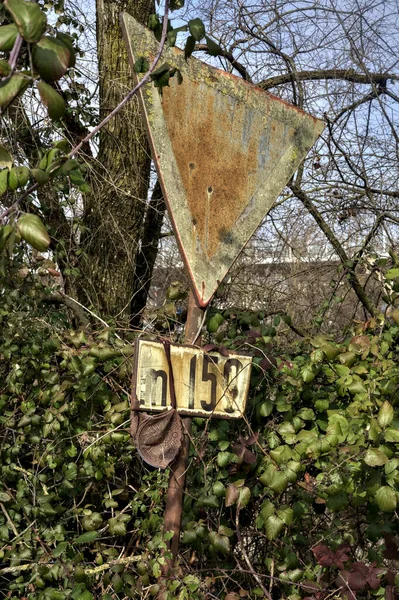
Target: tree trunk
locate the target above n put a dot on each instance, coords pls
(113, 212)
(147, 254)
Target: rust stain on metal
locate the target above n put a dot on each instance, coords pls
(224, 150)
(215, 195)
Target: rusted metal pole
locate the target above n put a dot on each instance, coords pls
(174, 498)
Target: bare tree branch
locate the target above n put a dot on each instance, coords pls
(230, 57)
(344, 258)
(380, 79)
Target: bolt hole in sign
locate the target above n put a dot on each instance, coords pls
(206, 384)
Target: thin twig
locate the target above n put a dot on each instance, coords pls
(77, 309)
(246, 557)
(19, 535)
(230, 57)
(340, 251)
(93, 571)
(15, 53)
(197, 335)
(88, 310)
(9, 520)
(121, 426)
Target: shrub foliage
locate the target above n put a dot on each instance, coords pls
(298, 500)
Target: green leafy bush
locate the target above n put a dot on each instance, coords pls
(302, 493)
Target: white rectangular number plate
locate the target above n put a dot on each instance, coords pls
(206, 384)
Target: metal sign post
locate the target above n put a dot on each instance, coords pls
(177, 477)
(224, 150)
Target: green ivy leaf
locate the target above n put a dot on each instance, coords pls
(153, 22)
(68, 166)
(192, 582)
(162, 80)
(161, 75)
(214, 50)
(337, 502)
(86, 538)
(156, 570)
(18, 177)
(244, 496)
(274, 526)
(386, 499)
(266, 408)
(5, 68)
(117, 583)
(189, 47)
(189, 536)
(176, 4)
(347, 358)
(5, 232)
(338, 425)
(391, 466)
(52, 99)
(391, 435)
(385, 414)
(92, 521)
(392, 274)
(321, 405)
(60, 549)
(306, 414)
(220, 542)
(53, 594)
(47, 161)
(223, 530)
(32, 230)
(116, 527)
(8, 35)
(171, 38)
(141, 65)
(67, 40)
(308, 374)
(197, 29)
(51, 58)
(223, 458)
(375, 458)
(219, 489)
(80, 592)
(266, 510)
(41, 177)
(282, 454)
(12, 87)
(6, 159)
(210, 501)
(77, 179)
(274, 479)
(29, 19)
(286, 514)
(356, 387)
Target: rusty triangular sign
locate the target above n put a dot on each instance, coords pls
(224, 150)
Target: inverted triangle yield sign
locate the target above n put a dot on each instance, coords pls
(224, 150)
